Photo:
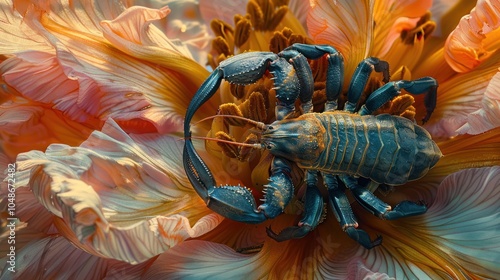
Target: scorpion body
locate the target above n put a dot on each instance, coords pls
(386, 149)
(339, 146)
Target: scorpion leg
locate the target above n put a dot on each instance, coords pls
(343, 212)
(390, 90)
(360, 78)
(313, 209)
(279, 191)
(379, 208)
(334, 73)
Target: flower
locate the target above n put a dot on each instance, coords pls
(108, 87)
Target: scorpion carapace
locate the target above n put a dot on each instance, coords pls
(336, 145)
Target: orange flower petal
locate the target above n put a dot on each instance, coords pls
(345, 25)
(21, 121)
(465, 47)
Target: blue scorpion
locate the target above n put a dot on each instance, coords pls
(337, 145)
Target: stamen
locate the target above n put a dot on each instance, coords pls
(231, 109)
(221, 28)
(401, 105)
(254, 107)
(256, 15)
(422, 30)
(286, 37)
(243, 29)
(220, 46)
(226, 142)
(237, 91)
(265, 15)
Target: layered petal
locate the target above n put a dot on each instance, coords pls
(186, 25)
(475, 37)
(55, 257)
(16, 35)
(23, 119)
(92, 199)
(468, 103)
(153, 77)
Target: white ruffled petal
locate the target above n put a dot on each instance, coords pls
(115, 190)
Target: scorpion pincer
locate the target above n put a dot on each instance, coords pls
(340, 146)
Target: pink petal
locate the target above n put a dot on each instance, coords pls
(465, 48)
(470, 105)
(94, 197)
(357, 270)
(224, 10)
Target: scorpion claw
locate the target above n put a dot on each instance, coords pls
(405, 209)
(363, 238)
(233, 202)
(294, 232)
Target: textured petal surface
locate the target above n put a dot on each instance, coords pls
(468, 103)
(23, 119)
(123, 189)
(16, 35)
(56, 258)
(468, 45)
(346, 25)
(152, 81)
